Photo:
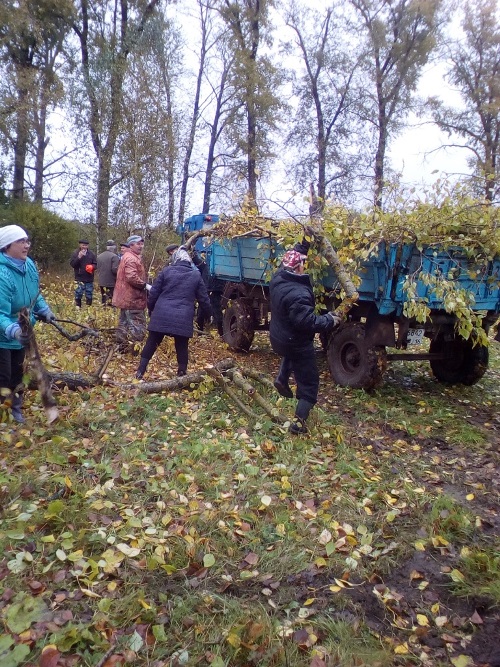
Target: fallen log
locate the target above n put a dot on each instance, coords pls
(224, 383)
(257, 375)
(250, 391)
(73, 381)
(180, 382)
(76, 381)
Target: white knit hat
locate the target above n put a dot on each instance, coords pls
(11, 233)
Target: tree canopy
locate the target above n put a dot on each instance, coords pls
(141, 113)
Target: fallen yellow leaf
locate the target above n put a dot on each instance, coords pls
(401, 649)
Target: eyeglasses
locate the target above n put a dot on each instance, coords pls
(24, 241)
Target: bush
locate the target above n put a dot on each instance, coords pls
(53, 238)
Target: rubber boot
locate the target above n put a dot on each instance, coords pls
(281, 383)
(17, 404)
(88, 301)
(181, 372)
(301, 414)
(78, 303)
(143, 364)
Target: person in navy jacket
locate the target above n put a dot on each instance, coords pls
(171, 307)
(292, 329)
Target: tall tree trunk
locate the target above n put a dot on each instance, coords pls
(104, 147)
(103, 190)
(41, 140)
(251, 156)
(215, 130)
(209, 171)
(22, 129)
(489, 173)
(379, 160)
(195, 116)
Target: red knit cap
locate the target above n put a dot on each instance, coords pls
(292, 258)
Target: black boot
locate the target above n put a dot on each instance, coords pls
(88, 301)
(17, 404)
(181, 372)
(281, 382)
(301, 414)
(78, 302)
(143, 364)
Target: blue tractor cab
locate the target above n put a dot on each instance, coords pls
(194, 224)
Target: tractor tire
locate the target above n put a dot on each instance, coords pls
(352, 362)
(464, 363)
(238, 326)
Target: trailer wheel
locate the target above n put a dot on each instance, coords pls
(238, 326)
(352, 362)
(464, 363)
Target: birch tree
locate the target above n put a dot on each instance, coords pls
(399, 38)
(107, 31)
(475, 73)
(32, 33)
(325, 125)
(256, 79)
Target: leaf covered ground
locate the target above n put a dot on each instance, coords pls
(166, 530)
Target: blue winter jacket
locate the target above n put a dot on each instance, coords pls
(172, 297)
(19, 287)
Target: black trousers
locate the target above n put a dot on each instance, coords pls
(302, 363)
(181, 348)
(11, 368)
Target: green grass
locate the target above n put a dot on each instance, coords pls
(175, 530)
(481, 574)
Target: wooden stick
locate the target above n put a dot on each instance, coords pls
(86, 331)
(106, 361)
(35, 362)
(250, 390)
(224, 383)
(332, 258)
(256, 375)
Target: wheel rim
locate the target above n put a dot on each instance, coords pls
(350, 358)
(233, 325)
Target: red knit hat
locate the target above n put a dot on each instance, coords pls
(292, 258)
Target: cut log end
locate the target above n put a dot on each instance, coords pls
(52, 414)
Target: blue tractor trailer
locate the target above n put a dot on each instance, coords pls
(376, 329)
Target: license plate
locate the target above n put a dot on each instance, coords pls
(415, 336)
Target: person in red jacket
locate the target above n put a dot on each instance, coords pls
(130, 294)
(84, 263)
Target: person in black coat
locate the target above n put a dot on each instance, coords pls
(292, 329)
(171, 307)
(84, 263)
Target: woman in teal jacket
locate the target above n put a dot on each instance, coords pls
(19, 288)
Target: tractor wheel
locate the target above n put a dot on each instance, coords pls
(238, 326)
(352, 362)
(463, 364)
